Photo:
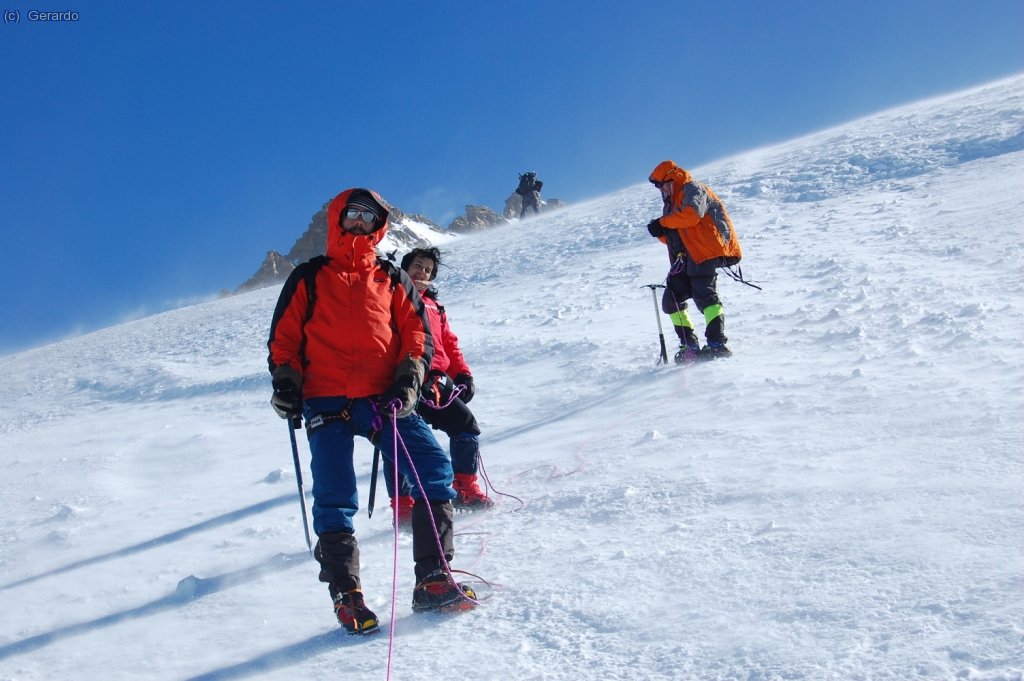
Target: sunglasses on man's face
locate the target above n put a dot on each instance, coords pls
(367, 216)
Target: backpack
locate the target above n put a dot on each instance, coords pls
(526, 181)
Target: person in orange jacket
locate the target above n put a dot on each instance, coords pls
(453, 416)
(349, 341)
(700, 239)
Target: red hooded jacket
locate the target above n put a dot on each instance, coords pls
(448, 357)
(362, 322)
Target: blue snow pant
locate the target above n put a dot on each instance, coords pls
(336, 495)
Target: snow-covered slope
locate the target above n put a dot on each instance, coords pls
(840, 500)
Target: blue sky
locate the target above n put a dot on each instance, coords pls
(154, 152)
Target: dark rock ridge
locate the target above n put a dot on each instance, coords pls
(406, 231)
(274, 270)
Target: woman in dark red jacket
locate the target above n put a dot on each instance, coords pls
(453, 416)
(349, 339)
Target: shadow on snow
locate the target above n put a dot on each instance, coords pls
(282, 657)
(189, 589)
(161, 540)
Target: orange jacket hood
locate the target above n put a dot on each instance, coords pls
(354, 251)
(668, 170)
(696, 218)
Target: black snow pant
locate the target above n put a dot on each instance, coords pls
(338, 552)
(424, 543)
(338, 555)
(690, 280)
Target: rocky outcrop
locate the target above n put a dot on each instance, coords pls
(475, 219)
(274, 270)
(514, 204)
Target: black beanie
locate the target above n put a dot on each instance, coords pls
(363, 200)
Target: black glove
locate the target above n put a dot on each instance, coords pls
(287, 399)
(434, 386)
(405, 389)
(655, 228)
(466, 381)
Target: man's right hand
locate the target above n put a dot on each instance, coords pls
(406, 388)
(655, 228)
(287, 398)
(404, 391)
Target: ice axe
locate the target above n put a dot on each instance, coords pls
(293, 423)
(373, 482)
(657, 315)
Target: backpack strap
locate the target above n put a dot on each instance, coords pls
(310, 269)
(393, 271)
(738, 276)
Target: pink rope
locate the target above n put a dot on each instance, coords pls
(490, 485)
(481, 551)
(557, 472)
(394, 561)
(458, 390)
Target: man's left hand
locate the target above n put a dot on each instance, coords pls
(466, 381)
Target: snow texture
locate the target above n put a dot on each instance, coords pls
(842, 499)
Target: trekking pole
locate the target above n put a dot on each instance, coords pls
(298, 477)
(373, 482)
(657, 315)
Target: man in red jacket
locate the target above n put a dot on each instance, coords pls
(700, 239)
(436, 406)
(349, 345)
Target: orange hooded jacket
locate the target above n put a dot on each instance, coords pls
(697, 215)
(362, 322)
